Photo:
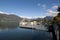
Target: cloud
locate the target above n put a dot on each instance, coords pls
(55, 7)
(32, 17)
(26, 17)
(3, 12)
(52, 13)
(6, 13)
(41, 5)
(38, 4)
(44, 6)
(40, 16)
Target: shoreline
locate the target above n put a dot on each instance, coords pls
(28, 28)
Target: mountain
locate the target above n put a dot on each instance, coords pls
(10, 17)
(48, 18)
(9, 20)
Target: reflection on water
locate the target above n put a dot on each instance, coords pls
(5, 26)
(13, 32)
(6, 29)
(22, 34)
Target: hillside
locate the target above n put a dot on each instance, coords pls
(9, 20)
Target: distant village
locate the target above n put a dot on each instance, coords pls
(14, 21)
(35, 23)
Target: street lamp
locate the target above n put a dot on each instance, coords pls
(58, 9)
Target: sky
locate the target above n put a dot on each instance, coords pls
(30, 8)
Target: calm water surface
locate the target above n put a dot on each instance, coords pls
(23, 34)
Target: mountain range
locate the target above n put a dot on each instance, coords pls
(11, 19)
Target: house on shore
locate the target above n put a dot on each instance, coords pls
(30, 23)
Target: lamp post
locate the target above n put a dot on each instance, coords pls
(59, 21)
(59, 16)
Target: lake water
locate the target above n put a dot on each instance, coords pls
(23, 34)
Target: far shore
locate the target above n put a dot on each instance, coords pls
(28, 28)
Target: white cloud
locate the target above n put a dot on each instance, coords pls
(41, 5)
(38, 4)
(44, 6)
(52, 13)
(55, 7)
(25, 17)
(32, 17)
(3, 12)
(39, 16)
(6, 13)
